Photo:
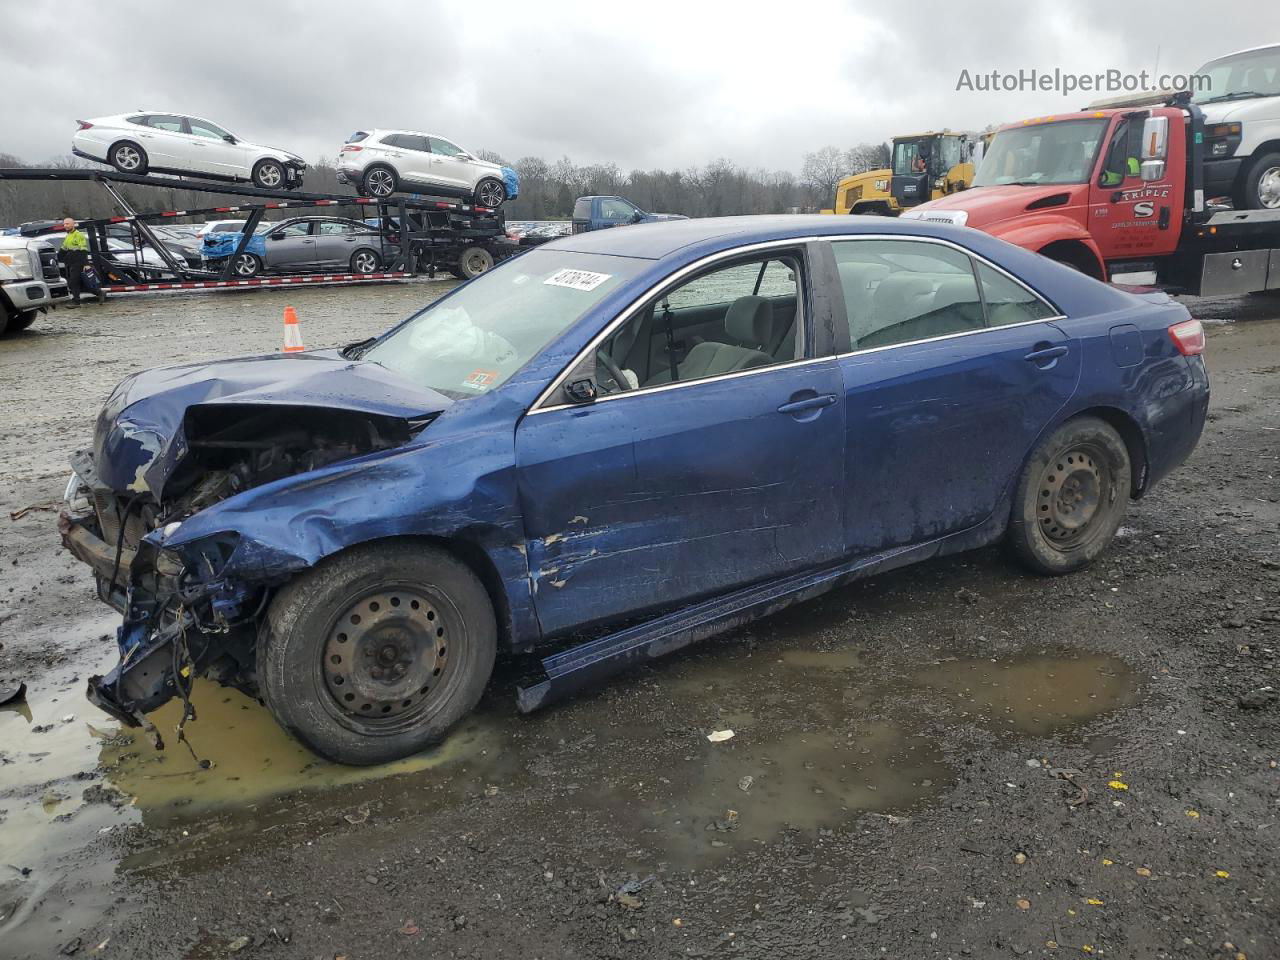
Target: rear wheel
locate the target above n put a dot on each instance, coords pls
(1260, 189)
(474, 261)
(127, 157)
(490, 193)
(365, 261)
(378, 652)
(247, 265)
(268, 174)
(1071, 497)
(379, 182)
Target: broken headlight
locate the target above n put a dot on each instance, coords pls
(75, 499)
(199, 561)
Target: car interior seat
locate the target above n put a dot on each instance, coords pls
(749, 320)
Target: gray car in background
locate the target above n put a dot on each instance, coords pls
(308, 244)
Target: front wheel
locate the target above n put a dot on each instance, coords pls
(490, 193)
(247, 265)
(21, 320)
(378, 652)
(268, 174)
(1261, 187)
(365, 261)
(1071, 497)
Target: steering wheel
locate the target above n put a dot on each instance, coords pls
(615, 371)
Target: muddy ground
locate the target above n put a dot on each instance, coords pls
(954, 760)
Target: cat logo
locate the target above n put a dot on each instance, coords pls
(1145, 208)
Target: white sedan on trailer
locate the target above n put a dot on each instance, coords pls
(150, 142)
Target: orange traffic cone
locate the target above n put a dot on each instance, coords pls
(292, 332)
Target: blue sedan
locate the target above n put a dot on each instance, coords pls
(610, 447)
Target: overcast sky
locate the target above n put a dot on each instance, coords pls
(648, 84)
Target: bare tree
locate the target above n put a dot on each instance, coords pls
(821, 172)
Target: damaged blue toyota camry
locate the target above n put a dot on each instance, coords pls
(607, 448)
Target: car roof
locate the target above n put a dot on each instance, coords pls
(654, 241)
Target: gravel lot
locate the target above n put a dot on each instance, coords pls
(953, 760)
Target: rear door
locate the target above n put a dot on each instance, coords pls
(651, 497)
(166, 145)
(292, 246)
(954, 370)
(336, 240)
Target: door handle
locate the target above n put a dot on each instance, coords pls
(1045, 356)
(809, 403)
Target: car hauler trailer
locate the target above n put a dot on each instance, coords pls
(416, 235)
(1119, 191)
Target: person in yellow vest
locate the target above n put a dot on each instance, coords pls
(75, 254)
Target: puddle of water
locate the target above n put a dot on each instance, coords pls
(1034, 695)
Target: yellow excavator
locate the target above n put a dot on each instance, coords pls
(925, 166)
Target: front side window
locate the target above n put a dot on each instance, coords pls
(445, 147)
(898, 291)
(203, 128)
(616, 210)
(300, 228)
(1122, 155)
(734, 318)
(1042, 153)
(479, 336)
(907, 159)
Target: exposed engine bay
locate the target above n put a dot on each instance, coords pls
(195, 609)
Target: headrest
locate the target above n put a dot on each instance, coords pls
(750, 320)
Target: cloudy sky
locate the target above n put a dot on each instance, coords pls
(651, 84)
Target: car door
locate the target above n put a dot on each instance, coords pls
(1131, 217)
(292, 246)
(214, 152)
(450, 164)
(165, 143)
(336, 240)
(954, 370)
(647, 498)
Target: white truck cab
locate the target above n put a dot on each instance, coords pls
(30, 281)
(1241, 106)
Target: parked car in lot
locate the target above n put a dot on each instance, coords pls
(302, 244)
(600, 213)
(637, 437)
(382, 162)
(155, 142)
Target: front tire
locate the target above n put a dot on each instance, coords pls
(490, 193)
(1071, 497)
(247, 265)
(1260, 189)
(379, 182)
(268, 175)
(20, 321)
(377, 653)
(127, 157)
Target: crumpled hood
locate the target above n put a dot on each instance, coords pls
(140, 437)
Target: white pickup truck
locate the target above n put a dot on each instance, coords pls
(30, 281)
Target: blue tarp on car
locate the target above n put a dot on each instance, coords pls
(511, 180)
(223, 244)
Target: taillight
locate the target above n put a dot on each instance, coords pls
(351, 148)
(1188, 337)
(84, 124)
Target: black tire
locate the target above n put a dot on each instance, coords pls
(365, 261)
(474, 261)
(379, 182)
(5, 319)
(421, 636)
(269, 175)
(491, 193)
(1260, 186)
(20, 321)
(247, 265)
(128, 157)
(1071, 497)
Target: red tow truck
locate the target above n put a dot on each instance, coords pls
(1119, 191)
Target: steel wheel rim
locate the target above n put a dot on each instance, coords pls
(387, 658)
(270, 175)
(1072, 495)
(490, 194)
(380, 183)
(1269, 188)
(365, 263)
(474, 264)
(245, 265)
(128, 158)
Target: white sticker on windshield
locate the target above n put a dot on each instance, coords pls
(576, 279)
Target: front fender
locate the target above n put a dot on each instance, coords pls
(1040, 232)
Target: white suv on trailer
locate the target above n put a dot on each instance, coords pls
(381, 162)
(153, 142)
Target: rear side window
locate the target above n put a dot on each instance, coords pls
(899, 291)
(1008, 301)
(166, 122)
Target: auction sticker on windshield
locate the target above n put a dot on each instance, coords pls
(576, 279)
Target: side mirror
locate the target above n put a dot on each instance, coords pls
(1155, 139)
(638, 216)
(277, 236)
(580, 391)
(229, 138)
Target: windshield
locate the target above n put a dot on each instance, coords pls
(1252, 74)
(1060, 152)
(476, 339)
